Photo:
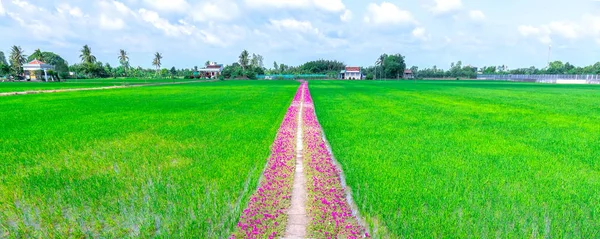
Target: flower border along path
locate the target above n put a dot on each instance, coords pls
(266, 214)
(329, 207)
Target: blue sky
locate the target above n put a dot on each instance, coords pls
(427, 32)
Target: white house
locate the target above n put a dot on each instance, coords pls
(351, 73)
(36, 66)
(212, 70)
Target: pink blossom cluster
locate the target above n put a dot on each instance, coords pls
(331, 215)
(265, 216)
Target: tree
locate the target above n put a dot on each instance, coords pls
(4, 68)
(275, 66)
(380, 62)
(207, 63)
(38, 55)
(394, 66)
(60, 65)
(156, 61)
(244, 59)
(86, 55)
(108, 69)
(173, 72)
(124, 60)
(3, 59)
(17, 59)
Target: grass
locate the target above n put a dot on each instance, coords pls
(169, 161)
(74, 84)
(439, 159)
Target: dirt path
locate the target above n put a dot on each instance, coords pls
(94, 88)
(297, 219)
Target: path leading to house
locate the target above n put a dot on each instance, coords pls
(297, 219)
(93, 88)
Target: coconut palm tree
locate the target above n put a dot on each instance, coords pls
(124, 60)
(244, 59)
(86, 55)
(207, 63)
(380, 62)
(17, 59)
(156, 61)
(37, 54)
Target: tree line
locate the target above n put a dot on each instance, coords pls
(88, 67)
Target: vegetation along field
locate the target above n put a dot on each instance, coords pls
(87, 83)
(467, 159)
(167, 161)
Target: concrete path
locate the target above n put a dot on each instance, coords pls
(297, 219)
(94, 88)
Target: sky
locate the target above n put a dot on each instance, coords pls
(516, 33)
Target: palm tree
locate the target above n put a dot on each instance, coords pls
(17, 59)
(244, 59)
(86, 55)
(124, 59)
(207, 63)
(156, 61)
(37, 54)
(380, 62)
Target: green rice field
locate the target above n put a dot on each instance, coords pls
(423, 159)
(166, 161)
(83, 83)
(454, 159)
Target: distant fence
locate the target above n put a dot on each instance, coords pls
(550, 79)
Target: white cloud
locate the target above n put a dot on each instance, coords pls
(162, 24)
(420, 33)
(169, 5)
(122, 8)
(388, 13)
(221, 10)
(111, 23)
(446, 6)
(476, 15)
(294, 25)
(66, 8)
(565, 29)
(346, 16)
(526, 30)
(2, 11)
(330, 5)
(326, 5)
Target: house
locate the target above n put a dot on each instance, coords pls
(212, 70)
(408, 74)
(351, 73)
(35, 69)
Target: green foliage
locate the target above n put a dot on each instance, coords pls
(3, 59)
(60, 65)
(460, 159)
(86, 55)
(37, 54)
(394, 66)
(156, 62)
(17, 59)
(244, 59)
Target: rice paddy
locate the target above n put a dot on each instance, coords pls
(169, 161)
(434, 159)
(84, 83)
(422, 159)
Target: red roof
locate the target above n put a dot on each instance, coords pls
(36, 62)
(214, 67)
(408, 71)
(352, 68)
